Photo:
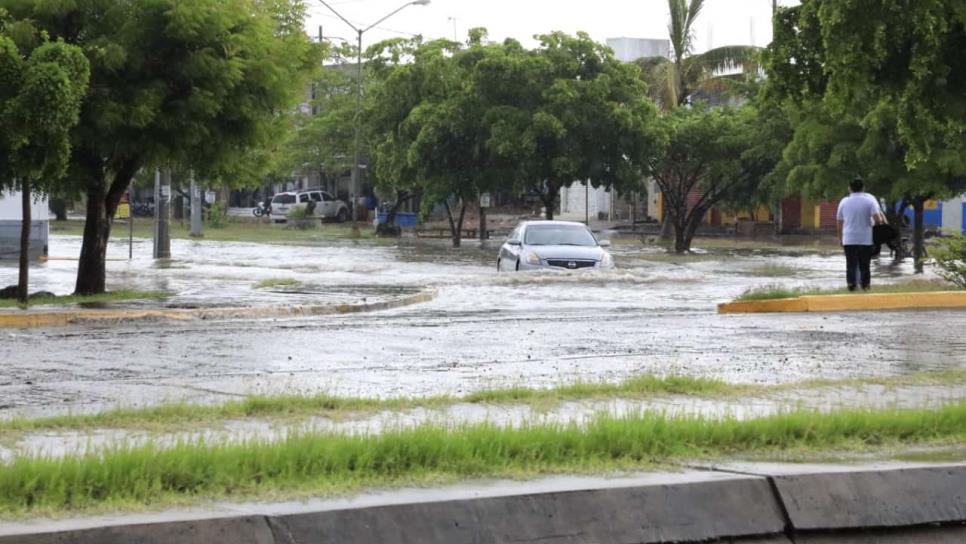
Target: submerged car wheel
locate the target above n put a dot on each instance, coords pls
(342, 216)
(518, 265)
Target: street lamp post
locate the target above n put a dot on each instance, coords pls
(356, 129)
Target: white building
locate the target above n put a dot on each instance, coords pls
(11, 218)
(954, 215)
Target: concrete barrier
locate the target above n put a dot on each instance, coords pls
(691, 512)
(764, 504)
(879, 498)
(234, 530)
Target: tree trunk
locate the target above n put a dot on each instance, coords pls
(550, 199)
(102, 201)
(918, 237)
(59, 207)
(91, 270)
(455, 226)
(23, 280)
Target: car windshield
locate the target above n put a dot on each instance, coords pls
(559, 235)
(283, 199)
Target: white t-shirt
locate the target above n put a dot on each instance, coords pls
(857, 211)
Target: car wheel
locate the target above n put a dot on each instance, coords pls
(518, 265)
(342, 216)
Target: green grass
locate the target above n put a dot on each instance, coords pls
(235, 230)
(149, 476)
(277, 282)
(113, 296)
(775, 291)
(173, 416)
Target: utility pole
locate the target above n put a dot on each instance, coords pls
(162, 232)
(195, 208)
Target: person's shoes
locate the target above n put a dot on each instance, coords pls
(851, 287)
(866, 288)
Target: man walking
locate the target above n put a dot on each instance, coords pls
(856, 215)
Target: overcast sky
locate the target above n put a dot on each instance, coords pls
(722, 22)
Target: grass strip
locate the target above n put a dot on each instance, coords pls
(774, 291)
(276, 282)
(181, 413)
(150, 476)
(258, 406)
(234, 230)
(113, 296)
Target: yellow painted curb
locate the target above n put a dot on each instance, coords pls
(850, 303)
(28, 319)
(763, 306)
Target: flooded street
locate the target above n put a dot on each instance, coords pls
(653, 314)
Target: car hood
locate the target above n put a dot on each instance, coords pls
(583, 253)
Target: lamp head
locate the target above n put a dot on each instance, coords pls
(420, 2)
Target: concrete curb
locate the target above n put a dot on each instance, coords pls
(28, 319)
(909, 504)
(844, 303)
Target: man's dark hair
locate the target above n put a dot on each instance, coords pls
(856, 185)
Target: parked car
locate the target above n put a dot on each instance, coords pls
(323, 205)
(535, 245)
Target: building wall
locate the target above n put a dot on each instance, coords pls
(572, 201)
(11, 216)
(631, 49)
(954, 215)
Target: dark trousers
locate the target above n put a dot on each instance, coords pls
(857, 260)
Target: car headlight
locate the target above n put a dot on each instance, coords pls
(533, 258)
(607, 261)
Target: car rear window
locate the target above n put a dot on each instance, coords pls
(284, 199)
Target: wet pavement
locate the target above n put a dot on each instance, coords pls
(653, 314)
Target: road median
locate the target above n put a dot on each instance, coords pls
(851, 302)
(21, 319)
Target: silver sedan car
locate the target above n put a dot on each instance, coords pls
(535, 245)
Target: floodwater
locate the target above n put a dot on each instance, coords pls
(653, 314)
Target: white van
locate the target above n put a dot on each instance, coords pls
(323, 204)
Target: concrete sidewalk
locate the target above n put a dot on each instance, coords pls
(736, 503)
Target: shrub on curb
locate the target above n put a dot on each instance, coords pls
(949, 255)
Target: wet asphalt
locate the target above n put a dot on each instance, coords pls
(653, 314)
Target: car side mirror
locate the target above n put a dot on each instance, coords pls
(604, 243)
(513, 242)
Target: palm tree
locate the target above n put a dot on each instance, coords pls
(672, 81)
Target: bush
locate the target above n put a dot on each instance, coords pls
(218, 216)
(950, 256)
(300, 218)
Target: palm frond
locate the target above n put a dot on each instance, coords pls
(747, 58)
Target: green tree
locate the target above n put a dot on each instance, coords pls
(569, 111)
(40, 97)
(321, 140)
(194, 84)
(709, 156)
(889, 75)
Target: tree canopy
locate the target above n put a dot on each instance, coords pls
(195, 84)
(875, 89)
(40, 97)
